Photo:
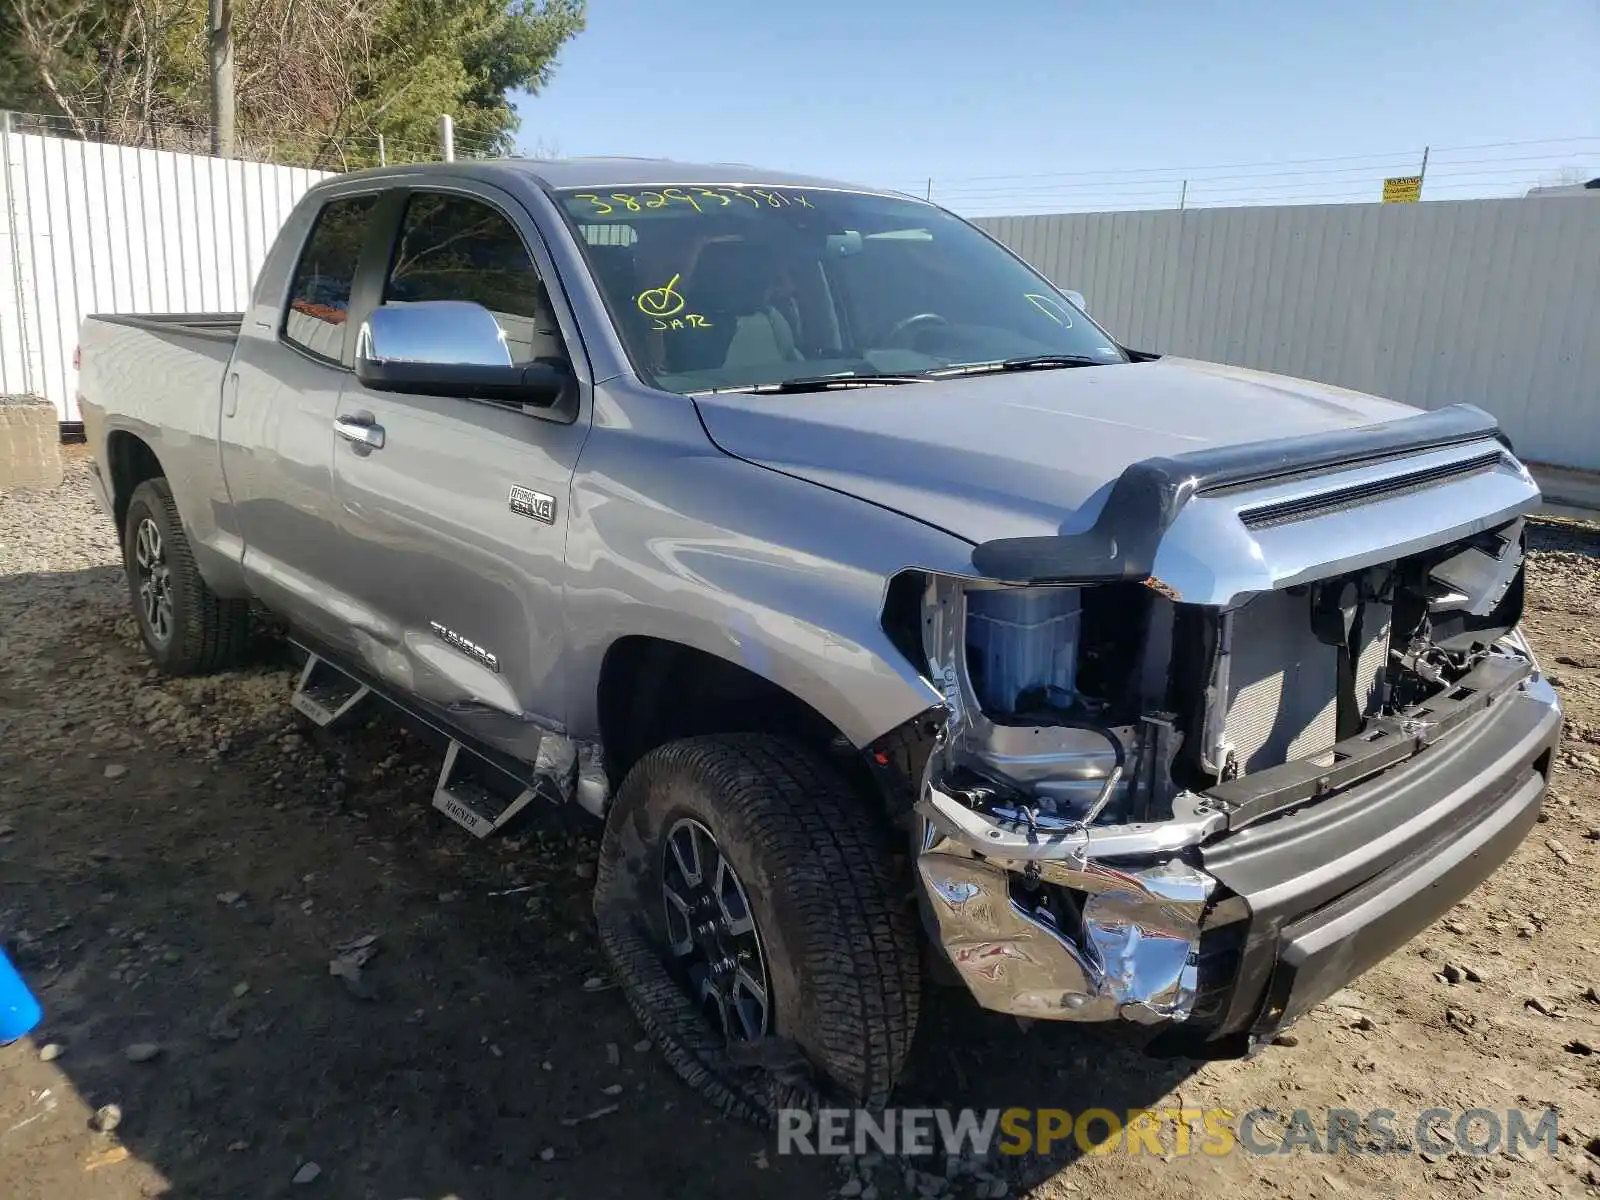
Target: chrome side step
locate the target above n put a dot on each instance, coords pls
(324, 693)
(473, 794)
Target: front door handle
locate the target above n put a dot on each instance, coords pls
(361, 431)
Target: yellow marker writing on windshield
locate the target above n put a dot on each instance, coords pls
(637, 202)
(687, 321)
(682, 197)
(662, 301)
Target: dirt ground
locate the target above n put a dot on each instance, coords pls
(180, 861)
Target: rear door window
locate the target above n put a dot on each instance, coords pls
(319, 294)
(453, 247)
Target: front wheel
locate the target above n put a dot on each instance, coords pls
(187, 628)
(750, 905)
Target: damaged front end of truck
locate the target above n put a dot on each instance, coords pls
(1201, 763)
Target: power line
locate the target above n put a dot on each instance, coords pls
(1146, 203)
(1436, 167)
(1410, 155)
(1168, 190)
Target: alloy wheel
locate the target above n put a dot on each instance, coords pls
(155, 581)
(711, 932)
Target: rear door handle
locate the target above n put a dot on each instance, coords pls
(363, 432)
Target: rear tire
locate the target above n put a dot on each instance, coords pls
(837, 937)
(187, 628)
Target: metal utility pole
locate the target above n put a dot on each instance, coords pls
(221, 47)
(1422, 175)
(1183, 196)
(930, 189)
(447, 137)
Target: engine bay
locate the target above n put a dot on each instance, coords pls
(1100, 704)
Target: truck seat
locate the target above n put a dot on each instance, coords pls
(729, 288)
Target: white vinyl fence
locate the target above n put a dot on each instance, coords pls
(87, 227)
(1493, 302)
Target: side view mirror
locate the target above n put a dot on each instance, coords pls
(456, 348)
(1076, 298)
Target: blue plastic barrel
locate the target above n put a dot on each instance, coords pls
(19, 1011)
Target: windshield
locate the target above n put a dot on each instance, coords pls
(727, 287)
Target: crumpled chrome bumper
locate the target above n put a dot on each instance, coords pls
(1124, 941)
(1131, 954)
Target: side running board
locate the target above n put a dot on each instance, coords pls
(474, 790)
(475, 795)
(326, 694)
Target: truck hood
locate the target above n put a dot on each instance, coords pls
(1024, 453)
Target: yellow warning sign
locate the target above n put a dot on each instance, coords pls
(1407, 189)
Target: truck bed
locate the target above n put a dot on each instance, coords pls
(210, 325)
(163, 370)
(161, 374)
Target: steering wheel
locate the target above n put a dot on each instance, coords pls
(931, 320)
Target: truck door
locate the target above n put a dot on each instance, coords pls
(279, 398)
(454, 527)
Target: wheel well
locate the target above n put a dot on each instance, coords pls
(131, 462)
(654, 691)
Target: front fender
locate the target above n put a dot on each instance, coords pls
(782, 577)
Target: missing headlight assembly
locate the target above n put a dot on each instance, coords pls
(1046, 751)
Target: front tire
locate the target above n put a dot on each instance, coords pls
(187, 628)
(750, 905)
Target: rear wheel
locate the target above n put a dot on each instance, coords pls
(187, 628)
(750, 905)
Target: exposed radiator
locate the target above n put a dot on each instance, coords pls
(1283, 684)
(1375, 627)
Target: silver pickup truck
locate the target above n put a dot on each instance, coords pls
(852, 575)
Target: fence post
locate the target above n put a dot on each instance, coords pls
(17, 289)
(11, 236)
(447, 137)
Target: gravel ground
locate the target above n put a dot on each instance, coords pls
(182, 864)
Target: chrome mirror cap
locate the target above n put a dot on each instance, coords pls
(441, 332)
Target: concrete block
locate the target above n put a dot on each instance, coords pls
(30, 443)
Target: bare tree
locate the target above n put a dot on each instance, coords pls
(101, 64)
(220, 53)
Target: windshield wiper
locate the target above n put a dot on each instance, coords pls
(818, 383)
(1033, 362)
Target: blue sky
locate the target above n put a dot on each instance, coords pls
(1029, 105)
